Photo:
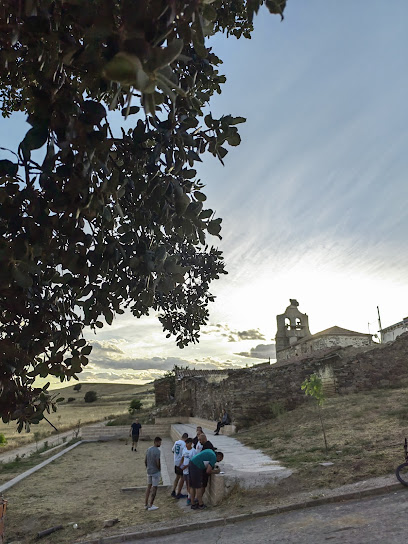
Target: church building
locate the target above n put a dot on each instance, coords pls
(294, 339)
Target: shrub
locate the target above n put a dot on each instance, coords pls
(71, 399)
(77, 387)
(135, 405)
(3, 440)
(90, 396)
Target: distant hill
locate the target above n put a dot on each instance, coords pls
(121, 391)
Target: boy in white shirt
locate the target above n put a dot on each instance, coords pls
(188, 453)
(177, 449)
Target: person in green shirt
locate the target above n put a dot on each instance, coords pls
(200, 464)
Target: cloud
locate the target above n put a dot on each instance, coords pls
(105, 346)
(134, 363)
(232, 335)
(261, 351)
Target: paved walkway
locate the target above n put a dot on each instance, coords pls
(242, 465)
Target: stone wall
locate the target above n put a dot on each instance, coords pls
(306, 347)
(252, 394)
(163, 390)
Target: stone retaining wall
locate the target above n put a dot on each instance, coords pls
(254, 394)
(122, 432)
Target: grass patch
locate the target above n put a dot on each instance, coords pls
(365, 439)
(113, 400)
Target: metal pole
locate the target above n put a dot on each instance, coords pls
(379, 322)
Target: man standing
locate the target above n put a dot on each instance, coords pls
(134, 431)
(206, 444)
(200, 464)
(152, 462)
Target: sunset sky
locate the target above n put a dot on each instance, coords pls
(314, 199)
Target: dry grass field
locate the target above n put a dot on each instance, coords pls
(84, 486)
(113, 400)
(365, 434)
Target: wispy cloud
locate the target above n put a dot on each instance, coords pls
(261, 351)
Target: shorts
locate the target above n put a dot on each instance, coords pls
(186, 478)
(154, 479)
(178, 471)
(205, 479)
(135, 438)
(196, 476)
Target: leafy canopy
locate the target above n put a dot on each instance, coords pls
(102, 221)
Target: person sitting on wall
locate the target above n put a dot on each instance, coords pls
(225, 420)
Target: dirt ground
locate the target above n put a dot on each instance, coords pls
(84, 487)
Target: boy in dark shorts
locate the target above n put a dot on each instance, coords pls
(200, 464)
(178, 483)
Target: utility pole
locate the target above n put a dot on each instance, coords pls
(379, 322)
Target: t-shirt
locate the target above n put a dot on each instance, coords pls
(198, 447)
(204, 458)
(178, 448)
(136, 428)
(152, 460)
(187, 454)
(208, 446)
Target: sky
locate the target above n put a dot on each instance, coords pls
(314, 199)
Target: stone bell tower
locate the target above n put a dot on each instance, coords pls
(292, 326)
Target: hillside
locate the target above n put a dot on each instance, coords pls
(113, 400)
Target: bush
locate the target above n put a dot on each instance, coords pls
(90, 396)
(70, 399)
(77, 387)
(135, 405)
(3, 440)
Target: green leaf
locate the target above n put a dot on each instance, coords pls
(21, 277)
(200, 196)
(107, 312)
(132, 110)
(214, 227)
(8, 168)
(93, 112)
(35, 137)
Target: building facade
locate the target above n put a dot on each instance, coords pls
(293, 337)
(389, 334)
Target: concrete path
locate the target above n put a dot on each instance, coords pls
(242, 465)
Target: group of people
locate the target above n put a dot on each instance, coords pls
(194, 460)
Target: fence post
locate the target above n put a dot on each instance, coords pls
(3, 505)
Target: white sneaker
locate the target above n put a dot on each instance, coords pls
(152, 507)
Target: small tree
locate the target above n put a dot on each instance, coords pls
(77, 387)
(135, 405)
(90, 396)
(313, 387)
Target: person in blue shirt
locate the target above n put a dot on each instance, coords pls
(135, 431)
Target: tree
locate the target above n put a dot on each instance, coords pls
(313, 387)
(135, 405)
(90, 396)
(102, 222)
